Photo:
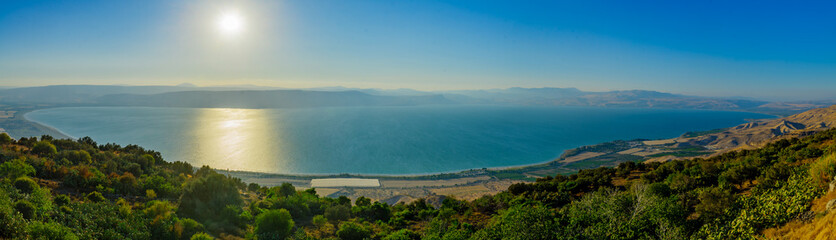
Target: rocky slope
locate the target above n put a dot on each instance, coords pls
(756, 134)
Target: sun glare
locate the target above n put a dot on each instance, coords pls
(230, 23)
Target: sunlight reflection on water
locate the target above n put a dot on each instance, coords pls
(232, 138)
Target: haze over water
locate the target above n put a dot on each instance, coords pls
(374, 140)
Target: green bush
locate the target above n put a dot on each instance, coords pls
(353, 231)
(202, 236)
(16, 168)
(206, 197)
(51, 231)
(713, 202)
(44, 148)
(190, 227)
(62, 200)
(403, 234)
(274, 224)
(12, 224)
(25, 185)
(25, 208)
(95, 197)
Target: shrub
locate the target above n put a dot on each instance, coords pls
(274, 224)
(12, 224)
(44, 148)
(190, 227)
(62, 200)
(403, 234)
(202, 236)
(25, 185)
(49, 230)
(16, 168)
(25, 208)
(713, 202)
(353, 231)
(95, 197)
(319, 220)
(150, 194)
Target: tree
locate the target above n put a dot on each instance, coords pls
(338, 213)
(713, 202)
(5, 138)
(363, 202)
(146, 161)
(44, 148)
(126, 183)
(252, 187)
(353, 231)
(286, 189)
(89, 141)
(205, 199)
(274, 224)
(530, 223)
(76, 156)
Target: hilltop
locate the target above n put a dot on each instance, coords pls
(749, 135)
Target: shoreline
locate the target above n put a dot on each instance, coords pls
(44, 125)
(452, 174)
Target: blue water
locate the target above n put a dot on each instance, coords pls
(374, 140)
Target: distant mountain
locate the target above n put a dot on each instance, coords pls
(266, 99)
(95, 95)
(575, 97)
(85, 94)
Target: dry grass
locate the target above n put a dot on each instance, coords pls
(823, 170)
(820, 203)
(581, 157)
(821, 228)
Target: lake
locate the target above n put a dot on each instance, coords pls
(374, 140)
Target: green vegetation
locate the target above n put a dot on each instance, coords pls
(607, 147)
(78, 189)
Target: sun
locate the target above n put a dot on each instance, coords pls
(230, 23)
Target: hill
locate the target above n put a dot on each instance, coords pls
(95, 95)
(265, 99)
(79, 189)
(756, 134)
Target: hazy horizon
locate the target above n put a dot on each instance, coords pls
(770, 51)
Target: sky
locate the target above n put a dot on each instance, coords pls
(775, 50)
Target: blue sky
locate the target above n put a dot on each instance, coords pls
(776, 50)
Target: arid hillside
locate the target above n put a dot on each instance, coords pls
(756, 134)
